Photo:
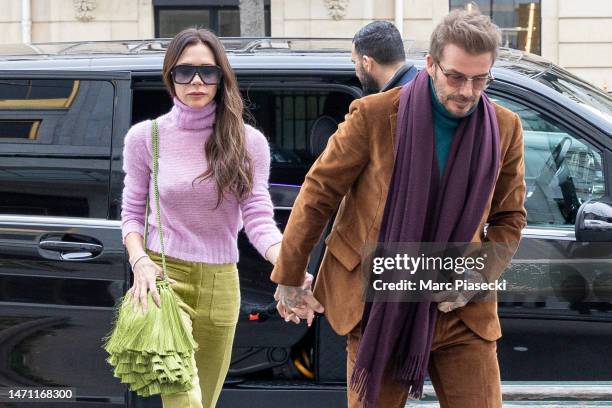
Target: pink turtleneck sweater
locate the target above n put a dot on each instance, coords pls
(193, 230)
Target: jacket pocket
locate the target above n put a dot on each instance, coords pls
(225, 305)
(343, 251)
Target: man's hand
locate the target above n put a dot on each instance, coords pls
(451, 300)
(297, 302)
(446, 307)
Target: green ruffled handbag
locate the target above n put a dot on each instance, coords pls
(152, 351)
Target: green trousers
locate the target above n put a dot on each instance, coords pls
(209, 296)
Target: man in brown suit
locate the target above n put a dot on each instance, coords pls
(353, 177)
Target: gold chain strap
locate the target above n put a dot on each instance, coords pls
(155, 146)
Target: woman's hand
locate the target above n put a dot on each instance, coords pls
(145, 274)
(272, 253)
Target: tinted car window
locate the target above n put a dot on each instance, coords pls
(55, 147)
(297, 124)
(578, 90)
(562, 170)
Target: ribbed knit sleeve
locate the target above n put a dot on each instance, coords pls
(137, 169)
(258, 210)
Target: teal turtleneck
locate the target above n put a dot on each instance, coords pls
(445, 125)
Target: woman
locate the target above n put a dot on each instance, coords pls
(213, 177)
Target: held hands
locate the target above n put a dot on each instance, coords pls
(294, 302)
(146, 273)
(297, 302)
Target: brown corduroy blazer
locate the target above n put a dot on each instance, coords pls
(352, 176)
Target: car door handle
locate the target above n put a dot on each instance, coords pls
(71, 250)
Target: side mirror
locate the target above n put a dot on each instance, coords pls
(594, 221)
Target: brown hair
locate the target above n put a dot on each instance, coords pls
(469, 30)
(228, 161)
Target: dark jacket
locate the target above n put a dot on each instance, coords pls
(401, 77)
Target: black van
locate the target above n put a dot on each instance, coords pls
(64, 111)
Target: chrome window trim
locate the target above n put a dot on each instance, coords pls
(528, 232)
(563, 234)
(24, 220)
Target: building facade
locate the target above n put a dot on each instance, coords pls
(575, 34)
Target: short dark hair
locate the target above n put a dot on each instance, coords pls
(382, 41)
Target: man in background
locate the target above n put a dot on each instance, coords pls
(379, 58)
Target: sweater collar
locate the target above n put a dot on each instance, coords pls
(186, 117)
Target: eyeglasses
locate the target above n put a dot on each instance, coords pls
(184, 74)
(458, 80)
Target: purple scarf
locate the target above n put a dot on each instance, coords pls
(422, 208)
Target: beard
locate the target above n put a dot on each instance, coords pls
(368, 84)
(469, 102)
(445, 97)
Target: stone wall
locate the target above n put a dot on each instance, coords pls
(312, 18)
(57, 20)
(577, 35)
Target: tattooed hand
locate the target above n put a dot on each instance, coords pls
(297, 302)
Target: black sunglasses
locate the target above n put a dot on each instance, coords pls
(184, 74)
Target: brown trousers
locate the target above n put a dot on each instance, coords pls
(463, 369)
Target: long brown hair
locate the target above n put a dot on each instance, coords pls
(228, 161)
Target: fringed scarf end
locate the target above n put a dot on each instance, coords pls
(359, 379)
(411, 375)
(410, 368)
(415, 391)
(358, 384)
